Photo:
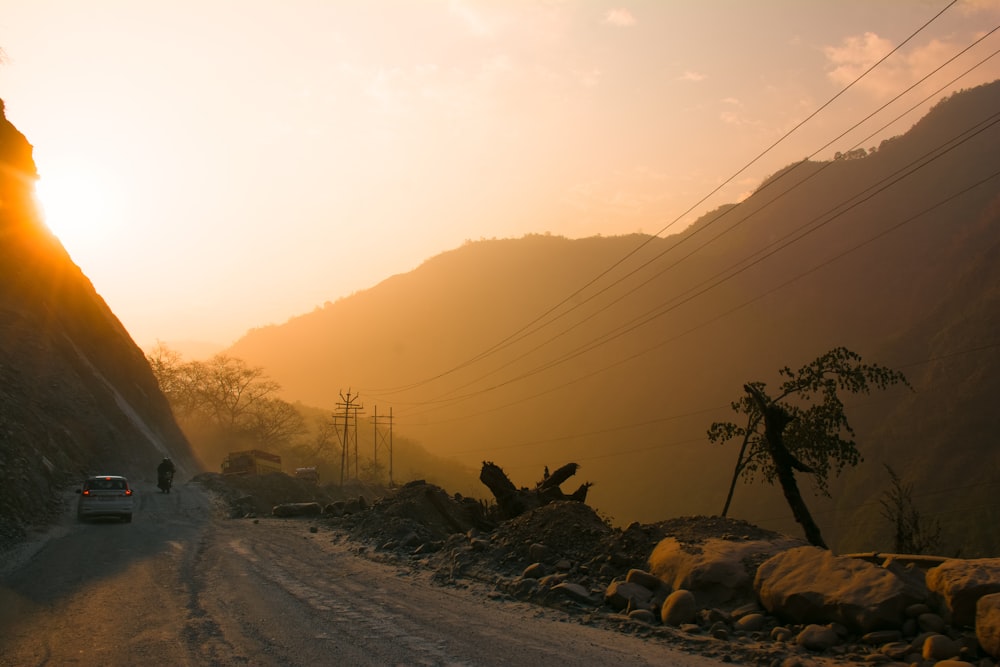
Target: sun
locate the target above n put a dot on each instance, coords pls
(78, 203)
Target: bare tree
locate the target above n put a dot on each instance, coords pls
(912, 533)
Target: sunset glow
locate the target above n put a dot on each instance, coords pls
(192, 154)
(79, 204)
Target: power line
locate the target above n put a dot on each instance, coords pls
(757, 211)
(746, 263)
(514, 336)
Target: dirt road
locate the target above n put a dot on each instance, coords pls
(182, 586)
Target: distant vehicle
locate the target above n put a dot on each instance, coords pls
(309, 474)
(105, 495)
(251, 462)
(165, 480)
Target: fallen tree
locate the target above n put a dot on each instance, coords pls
(513, 502)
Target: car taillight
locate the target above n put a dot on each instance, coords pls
(86, 492)
(128, 492)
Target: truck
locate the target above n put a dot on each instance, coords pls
(251, 462)
(309, 474)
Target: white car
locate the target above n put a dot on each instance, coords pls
(105, 495)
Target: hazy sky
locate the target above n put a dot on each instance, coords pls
(218, 165)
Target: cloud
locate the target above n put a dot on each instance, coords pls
(855, 55)
(691, 76)
(619, 17)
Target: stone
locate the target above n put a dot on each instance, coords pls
(297, 509)
(534, 571)
(680, 607)
(750, 622)
(896, 650)
(644, 579)
(988, 624)
(575, 592)
(940, 647)
(931, 623)
(961, 583)
(621, 594)
(715, 571)
(880, 637)
(643, 616)
(811, 585)
(817, 637)
(781, 634)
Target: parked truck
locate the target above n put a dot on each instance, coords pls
(309, 474)
(251, 462)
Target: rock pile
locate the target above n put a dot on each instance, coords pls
(726, 586)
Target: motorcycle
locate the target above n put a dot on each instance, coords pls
(165, 481)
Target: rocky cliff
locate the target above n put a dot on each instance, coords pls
(77, 396)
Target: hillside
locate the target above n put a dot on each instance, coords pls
(77, 396)
(618, 353)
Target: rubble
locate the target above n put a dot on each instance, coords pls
(564, 555)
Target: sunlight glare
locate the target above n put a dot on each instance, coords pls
(78, 204)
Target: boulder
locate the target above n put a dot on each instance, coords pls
(645, 579)
(961, 583)
(811, 585)
(679, 608)
(620, 595)
(940, 647)
(988, 624)
(714, 570)
(817, 637)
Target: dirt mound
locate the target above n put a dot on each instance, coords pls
(414, 515)
(566, 528)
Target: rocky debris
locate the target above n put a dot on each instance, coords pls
(988, 624)
(811, 585)
(960, 584)
(563, 555)
(716, 570)
(416, 516)
(512, 502)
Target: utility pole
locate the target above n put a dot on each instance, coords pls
(350, 412)
(381, 438)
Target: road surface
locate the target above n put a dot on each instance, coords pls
(181, 585)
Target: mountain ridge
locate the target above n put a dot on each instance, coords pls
(642, 360)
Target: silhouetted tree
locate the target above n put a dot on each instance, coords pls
(912, 533)
(228, 398)
(802, 428)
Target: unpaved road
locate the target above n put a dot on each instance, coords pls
(182, 586)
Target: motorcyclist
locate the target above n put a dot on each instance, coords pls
(165, 474)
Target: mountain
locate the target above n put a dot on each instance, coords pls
(77, 396)
(618, 353)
